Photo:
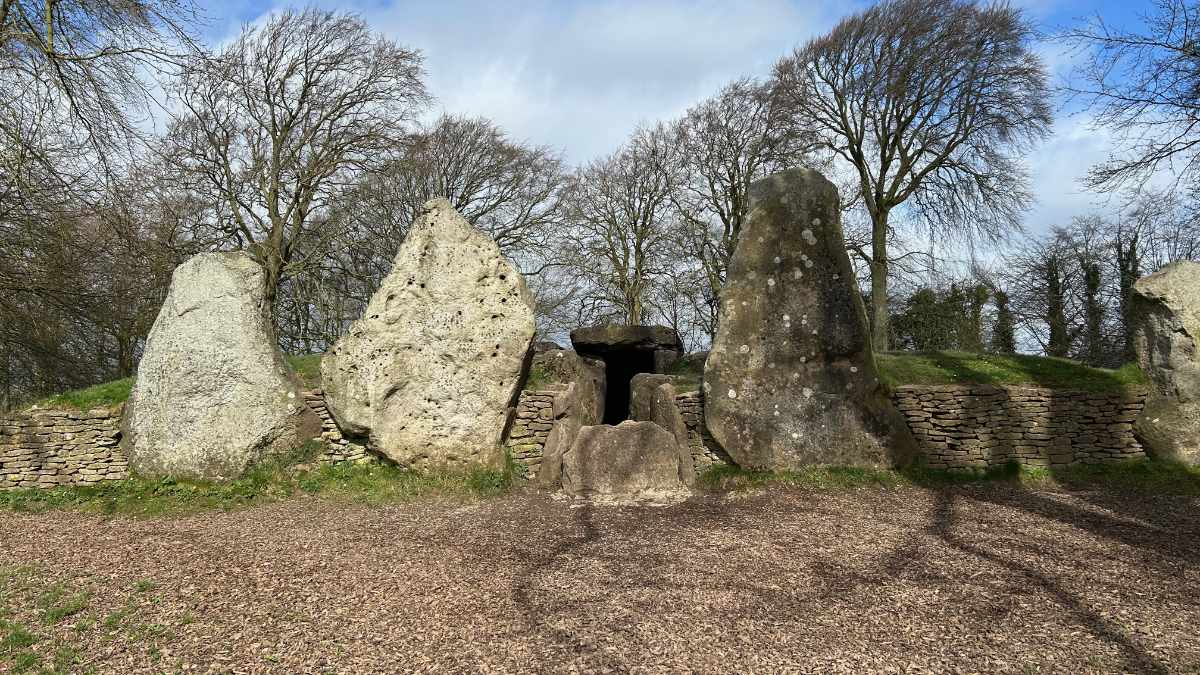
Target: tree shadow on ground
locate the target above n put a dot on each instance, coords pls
(942, 525)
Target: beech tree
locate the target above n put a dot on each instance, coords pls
(929, 103)
(1142, 87)
(283, 117)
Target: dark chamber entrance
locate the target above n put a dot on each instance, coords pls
(620, 367)
(626, 351)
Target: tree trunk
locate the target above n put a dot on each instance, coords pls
(879, 282)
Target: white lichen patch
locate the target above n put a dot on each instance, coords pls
(809, 238)
(778, 260)
(808, 392)
(771, 282)
(796, 274)
(854, 369)
(745, 349)
(816, 222)
(733, 393)
(808, 263)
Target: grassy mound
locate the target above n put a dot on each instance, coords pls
(307, 367)
(898, 369)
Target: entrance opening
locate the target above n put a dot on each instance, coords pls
(620, 367)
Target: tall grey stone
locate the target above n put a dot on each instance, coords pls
(791, 379)
(1166, 310)
(431, 372)
(213, 394)
(578, 404)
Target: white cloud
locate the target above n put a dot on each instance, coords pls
(579, 76)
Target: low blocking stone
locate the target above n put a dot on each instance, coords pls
(630, 460)
(213, 394)
(790, 379)
(432, 371)
(652, 399)
(1166, 309)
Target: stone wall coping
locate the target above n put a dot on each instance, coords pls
(977, 389)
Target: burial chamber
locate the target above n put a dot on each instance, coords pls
(626, 351)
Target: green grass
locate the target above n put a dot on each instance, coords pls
(897, 369)
(108, 394)
(98, 396)
(307, 368)
(1139, 476)
(538, 378)
(268, 482)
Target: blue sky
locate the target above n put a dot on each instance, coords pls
(580, 75)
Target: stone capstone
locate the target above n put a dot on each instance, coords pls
(432, 371)
(660, 342)
(652, 399)
(791, 379)
(632, 459)
(213, 394)
(1166, 311)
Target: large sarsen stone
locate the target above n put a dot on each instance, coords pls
(790, 379)
(213, 394)
(1167, 340)
(432, 370)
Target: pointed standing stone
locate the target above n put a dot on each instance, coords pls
(790, 379)
(213, 394)
(431, 371)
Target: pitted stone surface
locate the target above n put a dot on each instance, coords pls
(432, 370)
(632, 459)
(790, 379)
(213, 394)
(1167, 341)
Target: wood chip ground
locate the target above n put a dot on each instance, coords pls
(986, 578)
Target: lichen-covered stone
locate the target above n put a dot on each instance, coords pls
(652, 399)
(213, 394)
(579, 404)
(790, 379)
(432, 371)
(1166, 308)
(630, 460)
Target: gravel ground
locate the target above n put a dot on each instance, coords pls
(978, 579)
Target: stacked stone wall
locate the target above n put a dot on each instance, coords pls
(52, 448)
(705, 451)
(526, 441)
(49, 448)
(338, 448)
(976, 427)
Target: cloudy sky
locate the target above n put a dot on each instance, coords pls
(580, 75)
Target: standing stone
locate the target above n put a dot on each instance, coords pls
(632, 459)
(1166, 310)
(652, 399)
(580, 404)
(790, 379)
(432, 371)
(213, 394)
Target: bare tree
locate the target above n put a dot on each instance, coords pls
(281, 118)
(1144, 87)
(927, 101)
(726, 143)
(620, 208)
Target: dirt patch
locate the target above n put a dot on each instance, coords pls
(982, 578)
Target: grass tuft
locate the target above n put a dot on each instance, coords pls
(898, 369)
(308, 368)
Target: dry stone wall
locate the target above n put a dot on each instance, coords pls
(976, 427)
(52, 448)
(526, 440)
(49, 448)
(705, 450)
